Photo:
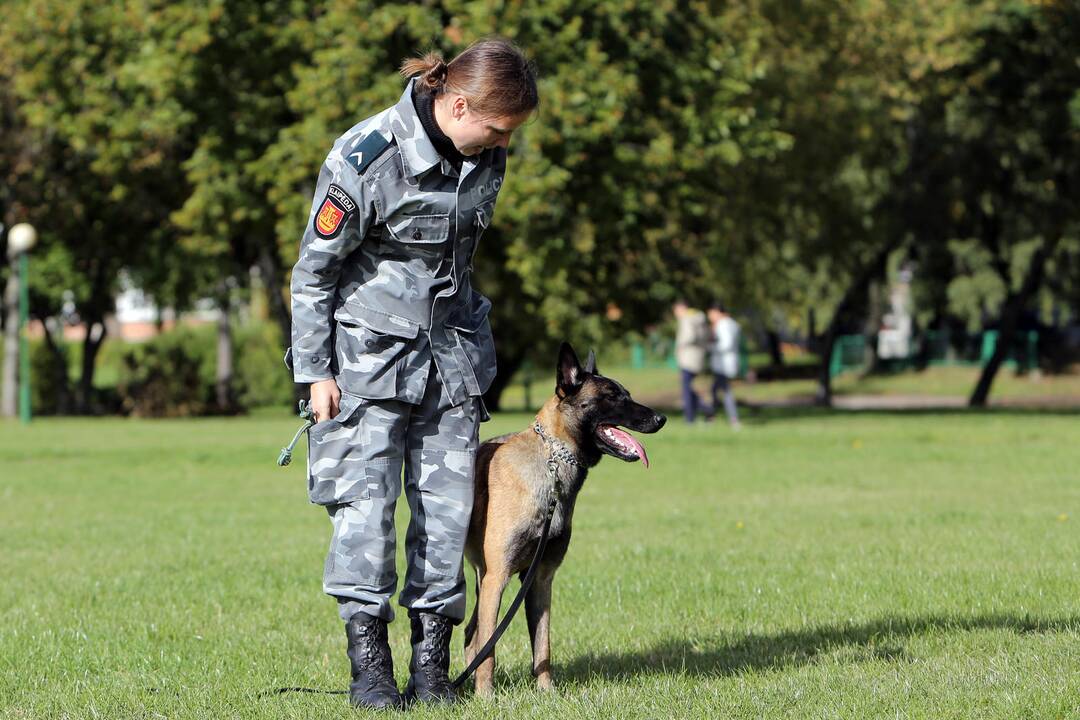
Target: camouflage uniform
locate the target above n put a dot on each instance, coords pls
(383, 302)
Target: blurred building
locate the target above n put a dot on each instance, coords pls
(136, 318)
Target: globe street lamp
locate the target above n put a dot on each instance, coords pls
(21, 239)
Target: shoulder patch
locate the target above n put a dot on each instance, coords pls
(362, 155)
(332, 213)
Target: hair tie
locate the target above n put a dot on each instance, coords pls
(436, 76)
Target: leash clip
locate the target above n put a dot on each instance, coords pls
(285, 457)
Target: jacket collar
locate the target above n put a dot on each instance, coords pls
(418, 155)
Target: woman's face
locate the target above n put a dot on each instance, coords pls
(471, 132)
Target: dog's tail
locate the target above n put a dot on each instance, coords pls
(470, 627)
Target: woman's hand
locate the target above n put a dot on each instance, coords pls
(325, 397)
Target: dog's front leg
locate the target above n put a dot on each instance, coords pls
(538, 613)
(491, 590)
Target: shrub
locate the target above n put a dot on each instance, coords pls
(260, 376)
(171, 375)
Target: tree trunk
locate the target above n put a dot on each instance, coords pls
(9, 406)
(509, 364)
(1014, 305)
(61, 383)
(856, 290)
(91, 345)
(776, 354)
(224, 376)
(274, 278)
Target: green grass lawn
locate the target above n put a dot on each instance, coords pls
(814, 565)
(661, 385)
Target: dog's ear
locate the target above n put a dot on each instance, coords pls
(568, 375)
(590, 363)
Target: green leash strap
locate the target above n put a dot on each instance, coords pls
(286, 452)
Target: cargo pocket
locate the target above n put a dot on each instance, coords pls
(332, 476)
(370, 346)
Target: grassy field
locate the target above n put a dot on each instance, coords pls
(814, 565)
(661, 385)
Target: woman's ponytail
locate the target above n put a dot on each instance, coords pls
(431, 69)
(493, 74)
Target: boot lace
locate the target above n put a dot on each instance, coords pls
(372, 652)
(436, 646)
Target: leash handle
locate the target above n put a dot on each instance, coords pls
(530, 575)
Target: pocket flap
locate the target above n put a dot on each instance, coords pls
(419, 228)
(469, 318)
(347, 405)
(376, 320)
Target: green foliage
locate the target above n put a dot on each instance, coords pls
(261, 376)
(171, 375)
(762, 152)
(615, 193)
(44, 366)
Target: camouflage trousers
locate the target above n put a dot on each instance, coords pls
(355, 463)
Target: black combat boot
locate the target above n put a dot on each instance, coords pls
(372, 667)
(428, 679)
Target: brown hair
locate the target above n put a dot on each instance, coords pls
(494, 75)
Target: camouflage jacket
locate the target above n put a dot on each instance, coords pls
(382, 292)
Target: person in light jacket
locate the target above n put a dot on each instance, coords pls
(691, 347)
(724, 359)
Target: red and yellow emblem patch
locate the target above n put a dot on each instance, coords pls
(332, 213)
(329, 218)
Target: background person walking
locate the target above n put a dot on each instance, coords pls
(724, 359)
(691, 346)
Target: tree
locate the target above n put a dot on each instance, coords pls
(105, 125)
(1011, 136)
(616, 197)
(849, 81)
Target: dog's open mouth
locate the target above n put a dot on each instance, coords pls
(622, 444)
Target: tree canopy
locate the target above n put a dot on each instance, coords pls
(774, 154)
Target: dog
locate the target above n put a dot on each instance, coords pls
(514, 487)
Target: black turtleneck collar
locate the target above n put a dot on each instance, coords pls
(424, 102)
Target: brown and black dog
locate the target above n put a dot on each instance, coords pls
(513, 490)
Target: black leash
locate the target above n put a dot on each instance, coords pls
(526, 581)
(317, 691)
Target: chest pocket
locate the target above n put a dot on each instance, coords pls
(419, 238)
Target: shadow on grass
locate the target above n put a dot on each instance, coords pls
(765, 414)
(878, 640)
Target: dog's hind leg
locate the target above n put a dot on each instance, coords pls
(491, 590)
(538, 614)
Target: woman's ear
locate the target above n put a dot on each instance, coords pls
(458, 107)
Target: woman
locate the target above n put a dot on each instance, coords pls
(397, 348)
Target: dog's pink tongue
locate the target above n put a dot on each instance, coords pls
(632, 442)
